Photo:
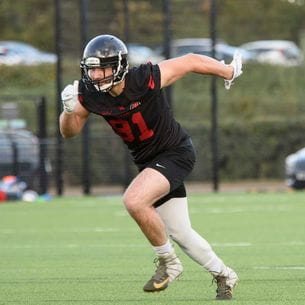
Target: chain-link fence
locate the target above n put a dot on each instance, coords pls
(260, 118)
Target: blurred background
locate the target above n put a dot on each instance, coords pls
(245, 134)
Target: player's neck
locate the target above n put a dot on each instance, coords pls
(117, 89)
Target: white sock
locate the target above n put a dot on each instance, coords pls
(164, 249)
(174, 214)
(215, 264)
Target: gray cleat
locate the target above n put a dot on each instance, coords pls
(169, 268)
(225, 283)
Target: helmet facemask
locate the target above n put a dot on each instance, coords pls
(118, 64)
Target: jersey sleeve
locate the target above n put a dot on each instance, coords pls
(143, 80)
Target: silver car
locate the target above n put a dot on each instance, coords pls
(203, 46)
(276, 52)
(140, 54)
(20, 53)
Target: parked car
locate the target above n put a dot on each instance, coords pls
(226, 52)
(277, 52)
(141, 54)
(19, 151)
(7, 58)
(15, 53)
(183, 46)
(295, 169)
(204, 46)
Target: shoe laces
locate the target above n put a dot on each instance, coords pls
(167, 265)
(160, 273)
(222, 287)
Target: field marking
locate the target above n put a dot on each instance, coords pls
(56, 246)
(29, 246)
(229, 210)
(279, 267)
(236, 244)
(72, 230)
(133, 245)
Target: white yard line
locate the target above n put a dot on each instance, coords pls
(229, 210)
(236, 244)
(279, 267)
(140, 245)
(72, 230)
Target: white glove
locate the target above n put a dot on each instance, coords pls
(69, 97)
(237, 69)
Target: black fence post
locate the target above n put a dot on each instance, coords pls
(59, 144)
(214, 106)
(126, 21)
(42, 135)
(167, 13)
(127, 169)
(86, 170)
(15, 158)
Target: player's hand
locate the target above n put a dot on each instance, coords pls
(236, 64)
(69, 97)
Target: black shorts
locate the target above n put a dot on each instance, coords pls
(175, 164)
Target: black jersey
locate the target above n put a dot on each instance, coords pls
(140, 115)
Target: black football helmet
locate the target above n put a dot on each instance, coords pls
(105, 51)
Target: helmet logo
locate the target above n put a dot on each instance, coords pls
(92, 61)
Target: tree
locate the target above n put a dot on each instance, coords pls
(29, 21)
(246, 20)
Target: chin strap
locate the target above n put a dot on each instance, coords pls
(105, 87)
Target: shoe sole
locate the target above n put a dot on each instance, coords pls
(165, 286)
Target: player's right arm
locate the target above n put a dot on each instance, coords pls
(74, 115)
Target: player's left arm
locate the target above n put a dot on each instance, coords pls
(173, 69)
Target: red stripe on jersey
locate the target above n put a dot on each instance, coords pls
(151, 83)
(81, 98)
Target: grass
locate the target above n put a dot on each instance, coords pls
(88, 251)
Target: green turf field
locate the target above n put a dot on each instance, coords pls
(88, 251)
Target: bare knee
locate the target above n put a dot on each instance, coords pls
(133, 203)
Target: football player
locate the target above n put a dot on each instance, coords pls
(132, 102)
